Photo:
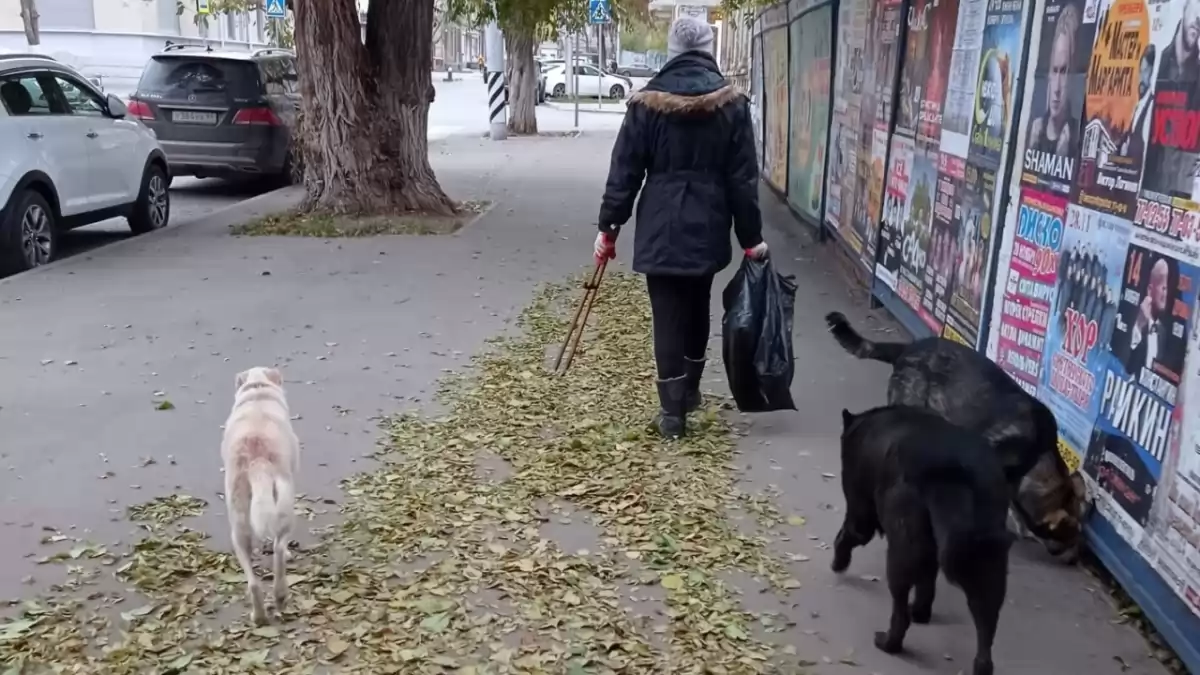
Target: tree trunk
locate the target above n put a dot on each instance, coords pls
(522, 102)
(405, 90)
(344, 169)
(29, 17)
(364, 117)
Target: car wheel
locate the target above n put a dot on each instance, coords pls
(560, 90)
(152, 211)
(617, 92)
(28, 237)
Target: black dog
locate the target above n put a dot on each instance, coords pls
(937, 493)
(969, 390)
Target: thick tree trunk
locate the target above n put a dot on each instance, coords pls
(344, 169)
(522, 87)
(405, 90)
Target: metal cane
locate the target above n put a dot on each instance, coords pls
(591, 289)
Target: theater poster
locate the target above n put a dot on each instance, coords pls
(975, 214)
(1050, 160)
(943, 241)
(963, 75)
(917, 237)
(1082, 317)
(1116, 114)
(897, 207)
(926, 71)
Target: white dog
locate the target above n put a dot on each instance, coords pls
(262, 458)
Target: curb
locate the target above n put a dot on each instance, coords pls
(171, 228)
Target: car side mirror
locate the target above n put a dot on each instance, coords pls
(116, 107)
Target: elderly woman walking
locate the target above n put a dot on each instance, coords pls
(688, 136)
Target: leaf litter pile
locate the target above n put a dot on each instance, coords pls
(439, 567)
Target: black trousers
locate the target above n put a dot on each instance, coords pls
(680, 309)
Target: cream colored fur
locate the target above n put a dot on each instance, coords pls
(262, 459)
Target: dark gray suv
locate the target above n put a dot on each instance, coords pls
(221, 114)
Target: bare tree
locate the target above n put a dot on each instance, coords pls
(29, 17)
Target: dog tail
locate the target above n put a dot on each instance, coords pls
(271, 499)
(860, 347)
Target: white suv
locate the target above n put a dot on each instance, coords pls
(70, 157)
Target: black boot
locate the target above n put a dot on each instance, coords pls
(694, 369)
(671, 395)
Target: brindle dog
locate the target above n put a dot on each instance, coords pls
(969, 390)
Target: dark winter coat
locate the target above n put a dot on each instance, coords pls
(688, 135)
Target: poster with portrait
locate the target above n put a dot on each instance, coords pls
(994, 100)
(1029, 286)
(972, 253)
(775, 119)
(896, 210)
(809, 110)
(1171, 173)
(963, 76)
(1116, 108)
(943, 241)
(1052, 135)
(915, 242)
(1090, 264)
(926, 71)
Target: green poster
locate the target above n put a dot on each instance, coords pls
(809, 72)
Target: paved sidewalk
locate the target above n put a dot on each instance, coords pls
(365, 327)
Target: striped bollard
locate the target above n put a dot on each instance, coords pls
(497, 100)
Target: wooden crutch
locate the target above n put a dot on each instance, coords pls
(591, 289)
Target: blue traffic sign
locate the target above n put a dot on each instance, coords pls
(276, 9)
(599, 11)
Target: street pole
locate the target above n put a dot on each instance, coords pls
(569, 75)
(600, 94)
(495, 78)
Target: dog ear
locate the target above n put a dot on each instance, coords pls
(847, 418)
(240, 379)
(274, 376)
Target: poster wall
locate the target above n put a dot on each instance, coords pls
(1096, 296)
(756, 93)
(811, 48)
(867, 60)
(775, 117)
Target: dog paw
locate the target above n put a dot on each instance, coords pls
(259, 618)
(841, 562)
(921, 615)
(983, 668)
(884, 644)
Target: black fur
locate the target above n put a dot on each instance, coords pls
(969, 390)
(937, 494)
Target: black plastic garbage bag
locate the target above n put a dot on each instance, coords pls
(757, 337)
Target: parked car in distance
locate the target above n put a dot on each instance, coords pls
(592, 82)
(221, 114)
(637, 70)
(71, 157)
(541, 81)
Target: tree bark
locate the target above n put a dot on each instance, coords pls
(29, 18)
(522, 102)
(405, 90)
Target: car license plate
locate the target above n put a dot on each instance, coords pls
(193, 117)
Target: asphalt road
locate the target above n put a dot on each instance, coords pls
(191, 198)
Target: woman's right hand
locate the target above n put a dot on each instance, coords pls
(758, 252)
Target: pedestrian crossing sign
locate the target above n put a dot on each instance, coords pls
(202, 6)
(276, 9)
(599, 12)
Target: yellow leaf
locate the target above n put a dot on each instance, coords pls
(672, 582)
(798, 521)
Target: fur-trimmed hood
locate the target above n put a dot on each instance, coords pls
(689, 84)
(667, 102)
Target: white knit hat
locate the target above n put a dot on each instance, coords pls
(689, 34)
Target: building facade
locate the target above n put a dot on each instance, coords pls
(110, 40)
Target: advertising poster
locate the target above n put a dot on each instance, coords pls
(964, 73)
(1090, 264)
(847, 93)
(994, 92)
(811, 51)
(1029, 286)
(925, 74)
(1141, 386)
(943, 242)
(1116, 104)
(1051, 158)
(1173, 143)
(896, 208)
(839, 171)
(914, 244)
(775, 119)
(875, 187)
(972, 254)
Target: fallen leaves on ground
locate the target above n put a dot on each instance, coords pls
(437, 567)
(330, 226)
